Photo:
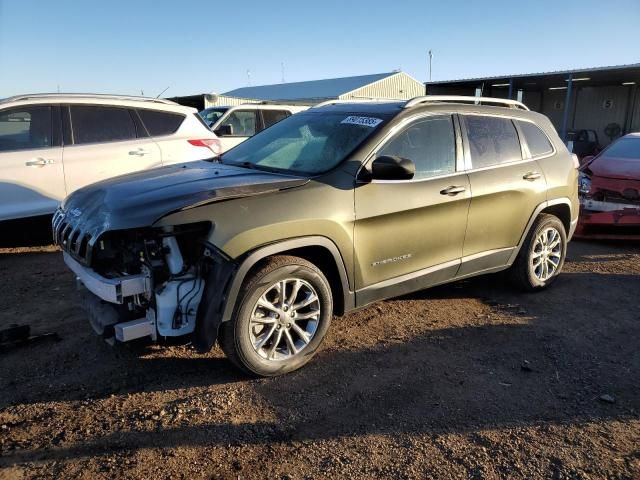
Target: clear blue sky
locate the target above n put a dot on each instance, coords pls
(201, 46)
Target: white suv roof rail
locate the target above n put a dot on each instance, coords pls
(16, 98)
(463, 99)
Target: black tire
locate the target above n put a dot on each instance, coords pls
(523, 273)
(235, 337)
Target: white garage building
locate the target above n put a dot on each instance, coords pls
(391, 85)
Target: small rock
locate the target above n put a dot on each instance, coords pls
(526, 366)
(155, 417)
(607, 398)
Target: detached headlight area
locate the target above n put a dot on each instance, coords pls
(584, 184)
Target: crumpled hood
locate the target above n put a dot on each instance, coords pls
(612, 167)
(140, 199)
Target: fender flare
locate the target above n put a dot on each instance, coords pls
(282, 246)
(546, 204)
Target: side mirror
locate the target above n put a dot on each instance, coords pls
(224, 130)
(389, 167)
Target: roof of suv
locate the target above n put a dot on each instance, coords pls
(496, 106)
(96, 98)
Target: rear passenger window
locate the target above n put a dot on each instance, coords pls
(492, 140)
(160, 123)
(92, 124)
(429, 143)
(273, 116)
(537, 141)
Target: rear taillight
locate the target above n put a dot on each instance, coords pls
(212, 144)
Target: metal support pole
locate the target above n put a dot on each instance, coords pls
(567, 101)
(510, 88)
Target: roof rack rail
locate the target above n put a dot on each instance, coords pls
(354, 100)
(88, 95)
(463, 99)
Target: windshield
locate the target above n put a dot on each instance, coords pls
(306, 143)
(211, 115)
(624, 148)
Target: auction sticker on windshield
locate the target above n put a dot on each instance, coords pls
(365, 121)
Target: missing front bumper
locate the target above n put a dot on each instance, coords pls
(113, 290)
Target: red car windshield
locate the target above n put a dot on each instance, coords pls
(624, 148)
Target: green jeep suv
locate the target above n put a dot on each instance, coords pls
(327, 211)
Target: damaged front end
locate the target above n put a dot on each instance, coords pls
(145, 282)
(609, 207)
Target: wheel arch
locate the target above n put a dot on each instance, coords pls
(560, 207)
(319, 250)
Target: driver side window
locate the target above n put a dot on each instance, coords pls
(429, 143)
(243, 123)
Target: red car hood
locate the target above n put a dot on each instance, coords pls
(612, 167)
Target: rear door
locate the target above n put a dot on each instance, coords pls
(271, 117)
(409, 234)
(506, 188)
(105, 142)
(31, 173)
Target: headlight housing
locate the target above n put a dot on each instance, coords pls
(584, 183)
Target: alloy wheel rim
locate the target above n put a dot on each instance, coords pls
(546, 254)
(285, 319)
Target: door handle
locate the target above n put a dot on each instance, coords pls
(38, 162)
(139, 152)
(452, 190)
(532, 176)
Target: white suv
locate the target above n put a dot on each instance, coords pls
(53, 144)
(233, 125)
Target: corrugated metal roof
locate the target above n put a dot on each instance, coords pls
(554, 72)
(314, 89)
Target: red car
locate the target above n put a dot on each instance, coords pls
(609, 190)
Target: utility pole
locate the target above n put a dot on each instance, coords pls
(430, 61)
(282, 67)
(248, 77)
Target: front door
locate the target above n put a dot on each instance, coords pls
(105, 144)
(506, 190)
(31, 173)
(243, 125)
(409, 234)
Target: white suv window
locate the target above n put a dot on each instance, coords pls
(25, 128)
(161, 123)
(93, 124)
(243, 123)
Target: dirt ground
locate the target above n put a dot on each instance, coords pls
(470, 380)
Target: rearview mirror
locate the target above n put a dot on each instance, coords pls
(224, 130)
(388, 167)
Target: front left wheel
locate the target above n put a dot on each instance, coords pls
(284, 313)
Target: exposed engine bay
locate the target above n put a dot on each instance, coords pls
(145, 282)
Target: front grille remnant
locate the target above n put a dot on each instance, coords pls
(71, 237)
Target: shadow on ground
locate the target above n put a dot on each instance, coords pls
(541, 358)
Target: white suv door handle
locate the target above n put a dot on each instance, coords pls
(38, 162)
(531, 176)
(141, 152)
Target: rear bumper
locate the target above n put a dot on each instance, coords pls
(112, 290)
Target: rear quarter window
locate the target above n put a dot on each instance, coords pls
(536, 139)
(161, 123)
